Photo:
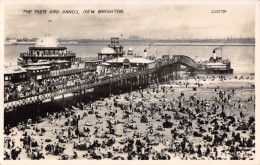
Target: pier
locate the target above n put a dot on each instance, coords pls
(142, 78)
(118, 82)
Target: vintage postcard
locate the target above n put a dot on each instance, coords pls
(128, 80)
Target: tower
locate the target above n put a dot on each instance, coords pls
(130, 52)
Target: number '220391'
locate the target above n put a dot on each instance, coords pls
(219, 11)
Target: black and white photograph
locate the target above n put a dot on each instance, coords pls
(129, 81)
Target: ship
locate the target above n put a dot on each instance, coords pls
(20, 41)
(215, 64)
(26, 41)
(10, 41)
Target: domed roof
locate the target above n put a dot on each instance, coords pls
(107, 50)
(47, 41)
(130, 48)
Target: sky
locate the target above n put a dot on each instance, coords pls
(163, 21)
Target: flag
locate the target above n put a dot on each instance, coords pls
(50, 20)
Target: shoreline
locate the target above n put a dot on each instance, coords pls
(145, 43)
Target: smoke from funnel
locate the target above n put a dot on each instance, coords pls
(217, 49)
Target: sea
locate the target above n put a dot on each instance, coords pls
(242, 57)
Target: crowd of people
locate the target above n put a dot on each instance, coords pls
(31, 88)
(160, 123)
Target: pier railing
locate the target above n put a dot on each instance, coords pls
(65, 73)
(68, 54)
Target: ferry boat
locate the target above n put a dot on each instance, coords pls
(215, 65)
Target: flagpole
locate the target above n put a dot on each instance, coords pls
(221, 50)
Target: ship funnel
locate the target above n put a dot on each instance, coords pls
(145, 53)
(214, 54)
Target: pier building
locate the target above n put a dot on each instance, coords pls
(14, 74)
(47, 52)
(112, 51)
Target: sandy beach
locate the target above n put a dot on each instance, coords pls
(177, 102)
